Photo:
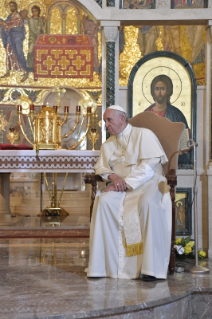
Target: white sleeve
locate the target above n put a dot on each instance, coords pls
(105, 177)
(142, 173)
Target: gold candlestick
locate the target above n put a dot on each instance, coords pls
(93, 137)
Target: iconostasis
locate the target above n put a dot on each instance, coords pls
(49, 44)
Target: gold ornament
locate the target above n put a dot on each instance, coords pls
(12, 136)
(87, 101)
(3, 123)
(93, 137)
(25, 102)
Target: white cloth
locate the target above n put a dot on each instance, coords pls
(138, 162)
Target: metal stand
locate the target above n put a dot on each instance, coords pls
(55, 213)
(196, 269)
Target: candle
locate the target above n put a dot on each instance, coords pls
(66, 109)
(89, 109)
(78, 109)
(55, 107)
(32, 107)
(19, 108)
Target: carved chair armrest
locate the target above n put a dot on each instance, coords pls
(172, 182)
(92, 179)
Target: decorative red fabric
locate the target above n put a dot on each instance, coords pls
(15, 147)
(63, 56)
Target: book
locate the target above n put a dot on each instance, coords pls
(184, 141)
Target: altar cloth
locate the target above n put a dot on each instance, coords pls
(63, 56)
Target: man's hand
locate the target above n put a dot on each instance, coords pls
(118, 182)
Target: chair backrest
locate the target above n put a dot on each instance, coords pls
(168, 133)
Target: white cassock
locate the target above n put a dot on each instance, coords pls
(130, 231)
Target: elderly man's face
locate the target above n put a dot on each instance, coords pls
(160, 92)
(114, 121)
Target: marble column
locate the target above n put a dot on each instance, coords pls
(110, 66)
(110, 37)
(5, 193)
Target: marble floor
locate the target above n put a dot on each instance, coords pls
(45, 278)
(25, 221)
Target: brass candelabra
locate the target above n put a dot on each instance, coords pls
(46, 127)
(46, 130)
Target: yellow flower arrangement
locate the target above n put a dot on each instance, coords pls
(187, 250)
(178, 241)
(186, 247)
(190, 244)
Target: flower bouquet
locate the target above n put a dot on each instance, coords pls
(185, 247)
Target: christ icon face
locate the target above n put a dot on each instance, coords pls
(13, 7)
(160, 92)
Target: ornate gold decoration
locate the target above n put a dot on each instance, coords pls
(25, 102)
(58, 91)
(87, 101)
(93, 137)
(134, 249)
(55, 21)
(130, 55)
(46, 125)
(52, 40)
(3, 123)
(12, 136)
(47, 132)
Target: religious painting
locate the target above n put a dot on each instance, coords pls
(48, 45)
(189, 41)
(160, 83)
(135, 4)
(189, 4)
(48, 40)
(183, 206)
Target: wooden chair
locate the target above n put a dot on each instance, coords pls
(169, 134)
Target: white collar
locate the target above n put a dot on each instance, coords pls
(126, 131)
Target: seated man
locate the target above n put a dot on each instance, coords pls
(131, 223)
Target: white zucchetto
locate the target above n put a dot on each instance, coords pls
(117, 108)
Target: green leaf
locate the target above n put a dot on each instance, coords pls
(187, 240)
(183, 242)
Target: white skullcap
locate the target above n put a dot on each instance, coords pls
(117, 108)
